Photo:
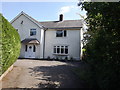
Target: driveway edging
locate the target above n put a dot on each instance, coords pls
(6, 72)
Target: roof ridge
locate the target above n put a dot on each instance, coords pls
(61, 21)
(31, 17)
(54, 24)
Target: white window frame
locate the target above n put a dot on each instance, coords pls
(33, 30)
(60, 47)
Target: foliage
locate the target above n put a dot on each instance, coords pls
(85, 75)
(71, 58)
(66, 58)
(48, 57)
(10, 44)
(103, 44)
(0, 45)
(57, 58)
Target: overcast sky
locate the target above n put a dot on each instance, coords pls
(42, 11)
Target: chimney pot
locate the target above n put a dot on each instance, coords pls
(61, 17)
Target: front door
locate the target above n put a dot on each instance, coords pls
(30, 51)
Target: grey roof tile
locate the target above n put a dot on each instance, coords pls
(30, 41)
(63, 24)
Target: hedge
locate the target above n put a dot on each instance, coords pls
(103, 44)
(9, 44)
(0, 44)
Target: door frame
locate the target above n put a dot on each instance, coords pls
(29, 51)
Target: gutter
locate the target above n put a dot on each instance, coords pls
(65, 28)
(44, 42)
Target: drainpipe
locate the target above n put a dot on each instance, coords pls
(44, 42)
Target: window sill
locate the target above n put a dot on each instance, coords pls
(60, 54)
(61, 37)
(32, 35)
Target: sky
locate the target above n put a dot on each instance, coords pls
(42, 11)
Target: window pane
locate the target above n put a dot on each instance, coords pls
(32, 32)
(62, 49)
(65, 33)
(34, 48)
(26, 48)
(59, 33)
(66, 49)
(58, 49)
(54, 49)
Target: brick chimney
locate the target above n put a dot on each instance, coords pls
(61, 17)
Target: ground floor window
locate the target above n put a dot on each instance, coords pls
(60, 50)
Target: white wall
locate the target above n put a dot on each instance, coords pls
(41, 43)
(72, 40)
(81, 38)
(24, 32)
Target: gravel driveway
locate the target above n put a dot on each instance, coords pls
(42, 74)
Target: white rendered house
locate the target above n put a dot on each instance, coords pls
(54, 39)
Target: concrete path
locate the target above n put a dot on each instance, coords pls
(42, 74)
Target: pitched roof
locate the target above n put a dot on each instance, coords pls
(30, 41)
(29, 17)
(63, 24)
(67, 24)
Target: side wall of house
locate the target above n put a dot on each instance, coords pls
(24, 32)
(81, 44)
(72, 40)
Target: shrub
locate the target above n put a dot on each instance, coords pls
(48, 57)
(53, 58)
(0, 44)
(103, 40)
(57, 58)
(71, 58)
(9, 45)
(85, 74)
(61, 58)
(66, 58)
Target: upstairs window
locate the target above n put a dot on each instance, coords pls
(32, 32)
(61, 33)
